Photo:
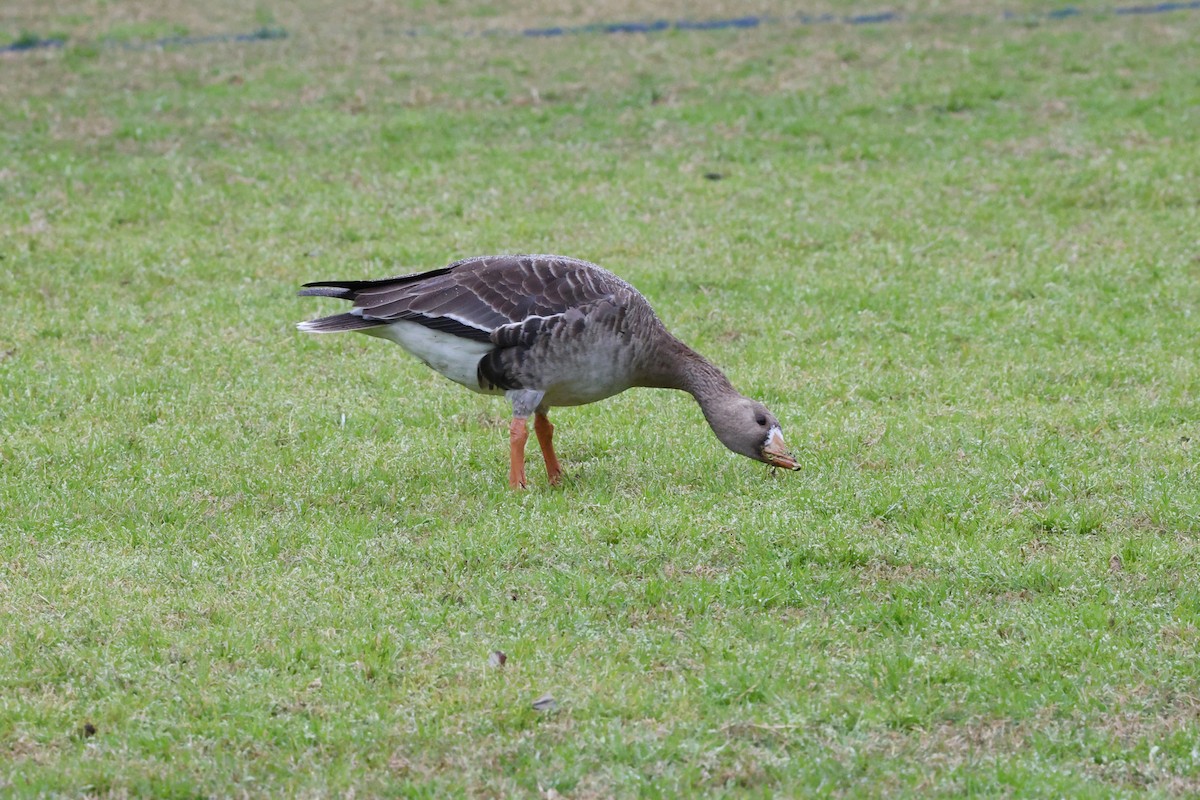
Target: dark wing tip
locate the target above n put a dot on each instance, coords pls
(348, 290)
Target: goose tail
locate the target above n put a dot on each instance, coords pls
(338, 323)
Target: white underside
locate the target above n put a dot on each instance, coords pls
(453, 356)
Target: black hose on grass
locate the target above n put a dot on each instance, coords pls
(29, 42)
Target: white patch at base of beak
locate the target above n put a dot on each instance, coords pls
(774, 438)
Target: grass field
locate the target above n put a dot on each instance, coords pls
(958, 255)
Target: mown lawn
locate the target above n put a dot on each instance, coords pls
(958, 254)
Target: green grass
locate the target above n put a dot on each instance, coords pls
(957, 256)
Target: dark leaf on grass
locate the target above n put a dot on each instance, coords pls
(89, 729)
(545, 703)
(713, 176)
(497, 659)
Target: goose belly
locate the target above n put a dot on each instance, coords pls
(453, 356)
(585, 377)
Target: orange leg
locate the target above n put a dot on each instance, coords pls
(545, 437)
(518, 433)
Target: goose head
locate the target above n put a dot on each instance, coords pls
(746, 427)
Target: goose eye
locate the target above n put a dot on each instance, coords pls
(761, 420)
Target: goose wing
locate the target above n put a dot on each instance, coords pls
(473, 298)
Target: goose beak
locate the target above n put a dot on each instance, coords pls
(775, 452)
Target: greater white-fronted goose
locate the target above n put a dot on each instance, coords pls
(545, 331)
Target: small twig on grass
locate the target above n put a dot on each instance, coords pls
(735, 727)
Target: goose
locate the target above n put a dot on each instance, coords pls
(545, 331)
